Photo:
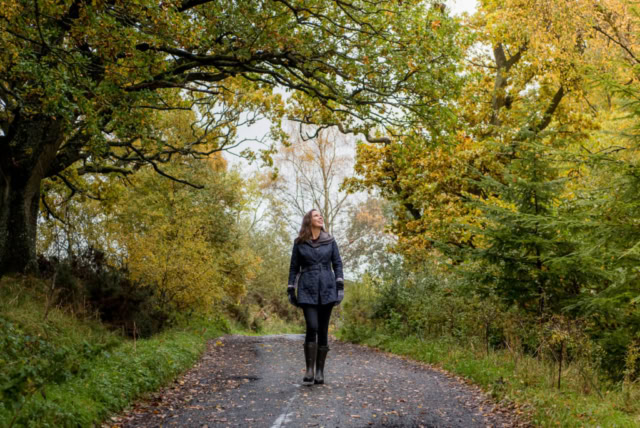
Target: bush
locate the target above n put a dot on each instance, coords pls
(87, 283)
(433, 305)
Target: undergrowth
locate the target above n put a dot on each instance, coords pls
(522, 382)
(63, 368)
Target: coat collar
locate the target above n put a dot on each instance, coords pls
(323, 239)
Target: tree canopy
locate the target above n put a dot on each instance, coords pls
(527, 198)
(82, 83)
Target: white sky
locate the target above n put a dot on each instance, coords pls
(460, 6)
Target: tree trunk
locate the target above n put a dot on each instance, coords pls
(25, 160)
(560, 362)
(18, 224)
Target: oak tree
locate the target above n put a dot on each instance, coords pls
(81, 82)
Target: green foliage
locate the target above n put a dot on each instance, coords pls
(186, 244)
(84, 86)
(114, 379)
(357, 307)
(527, 253)
(29, 363)
(525, 385)
(87, 283)
(152, 247)
(421, 303)
(67, 371)
(266, 296)
(535, 362)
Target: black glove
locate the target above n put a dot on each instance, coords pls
(340, 288)
(291, 291)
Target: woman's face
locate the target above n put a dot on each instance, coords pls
(316, 219)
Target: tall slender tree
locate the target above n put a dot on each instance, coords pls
(311, 171)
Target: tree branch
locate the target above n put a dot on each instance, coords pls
(340, 126)
(75, 189)
(102, 169)
(49, 210)
(617, 42)
(161, 172)
(551, 109)
(503, 66)
(190, 4)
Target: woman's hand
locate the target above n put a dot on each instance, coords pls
(340, 288)
(291, 292)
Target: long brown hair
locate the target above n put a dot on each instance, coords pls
(305, 230)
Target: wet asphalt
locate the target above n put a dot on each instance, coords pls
(245, 381)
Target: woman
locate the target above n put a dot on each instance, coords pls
(314, 254)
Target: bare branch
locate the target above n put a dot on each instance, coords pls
(50, 212)
(102, 169)
(548, 114)
(74, 189)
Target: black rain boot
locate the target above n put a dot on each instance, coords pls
(322, 356)
(310, 351)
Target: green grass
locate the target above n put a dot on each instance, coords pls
(71, 370)
(526, 384)
(114, 379)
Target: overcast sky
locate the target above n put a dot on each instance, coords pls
(459, 6)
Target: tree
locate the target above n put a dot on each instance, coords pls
(534, 199)
(526, 75)
(82, 82)
(186, 249)
(426, 185)
(185, 243)
(530, 252)
(310, 173)
(367, 240)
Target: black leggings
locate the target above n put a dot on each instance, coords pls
(317, 319)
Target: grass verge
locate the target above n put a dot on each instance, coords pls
(62, 370)
(525, 384)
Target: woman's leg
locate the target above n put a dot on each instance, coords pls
(311, 319)
(324, 316)
(310, 344)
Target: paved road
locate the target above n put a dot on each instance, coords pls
(246, 381)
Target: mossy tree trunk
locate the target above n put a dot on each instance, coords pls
(24, 163)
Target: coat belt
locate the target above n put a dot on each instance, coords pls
(318, 266)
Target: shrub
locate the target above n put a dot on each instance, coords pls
(87, 283)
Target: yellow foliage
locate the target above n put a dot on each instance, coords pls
(526, 59)
(184, 242)
(178, 264)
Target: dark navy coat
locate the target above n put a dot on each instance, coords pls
(315, 267)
